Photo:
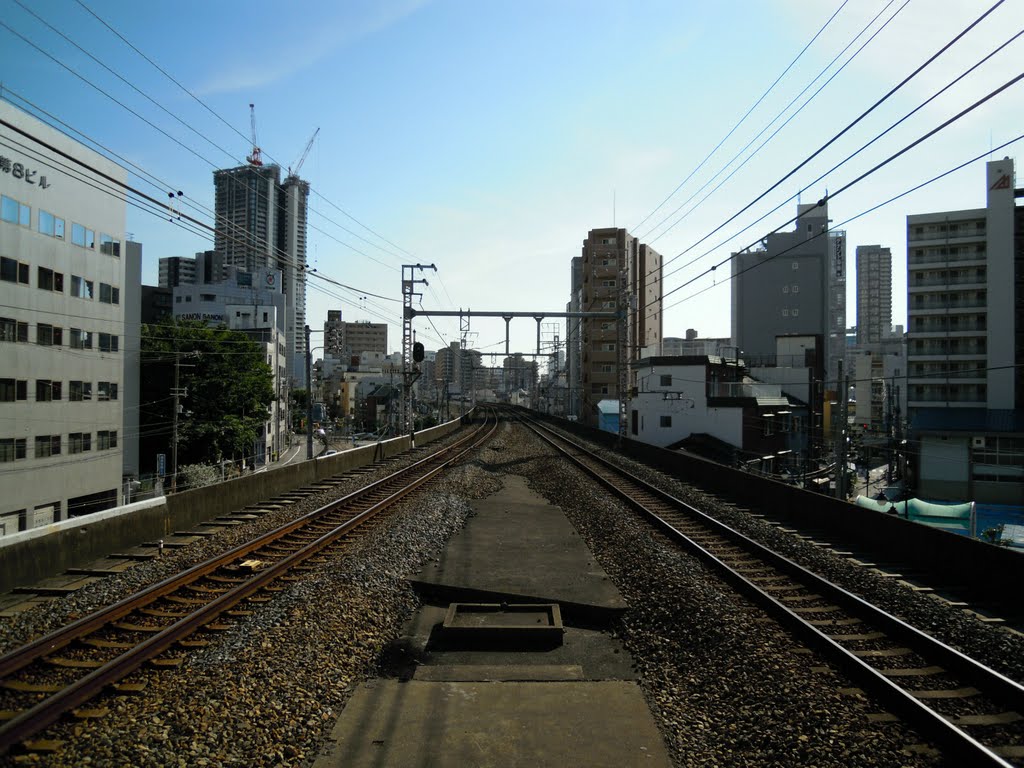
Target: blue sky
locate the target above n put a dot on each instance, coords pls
(489, 137)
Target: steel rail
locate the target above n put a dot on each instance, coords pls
(54, 641)
(48, 711)
(931, 723)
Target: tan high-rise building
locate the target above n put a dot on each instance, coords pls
(874, 293)
(617, 270)
(347, 340)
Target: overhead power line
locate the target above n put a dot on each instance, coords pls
(740, 122)
(781, 127)
(913, 189)
(960, 35)
(852, 155)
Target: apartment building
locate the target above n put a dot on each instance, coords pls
(874, 294)
(965, 271)
(69, 329)
(617, 270)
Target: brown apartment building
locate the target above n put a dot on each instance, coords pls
(617, 270)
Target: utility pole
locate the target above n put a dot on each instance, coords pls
(809, 453)
(889, 431)
(841, 436)
(621, 358)
(309, 398)
(410, 368)
(178, 392)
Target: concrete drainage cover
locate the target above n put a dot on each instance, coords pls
(503, 623)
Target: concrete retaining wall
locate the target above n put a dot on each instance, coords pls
(31, 556)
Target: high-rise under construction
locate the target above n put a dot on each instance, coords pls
(261, 222)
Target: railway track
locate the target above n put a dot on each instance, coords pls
(62, 671)
(971, 712)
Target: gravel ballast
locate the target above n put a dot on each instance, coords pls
(726, 687)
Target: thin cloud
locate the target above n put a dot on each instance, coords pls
(260, 69)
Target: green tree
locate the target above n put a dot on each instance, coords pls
(229, 386)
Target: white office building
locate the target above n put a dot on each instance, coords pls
(69, 303)
(251, 302)
(965, 385)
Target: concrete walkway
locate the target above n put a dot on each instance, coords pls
(453, 704)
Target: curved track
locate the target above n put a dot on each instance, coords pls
(968, 710)
(103, 648)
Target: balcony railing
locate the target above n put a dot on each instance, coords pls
(741, 389)
(927, 306)
(939, 259)
(931, 350)
(961, 233)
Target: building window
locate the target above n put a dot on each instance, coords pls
(796, 265)
(106, 439)
(79, 391)
(48, 280)
(47, 390)
(177, 299)
(109, 245)
(666, 381)
(785, 289)
(207, 297)
(13, 271)
(12, 390)
(108, 342)
(12, 448)
(79, 442)
(785, 313)
(81, 339)
(106, 390)
(83, 236)
(109, 294)
(664, 421)
(608, 283)
(50, 225)
(796, 313)
(188, 299)
(14, 212)
(796, 288)
(47, 445)
(13, 330)
(81, 288)
(49, 335)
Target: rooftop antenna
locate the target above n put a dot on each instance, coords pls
(254, 158)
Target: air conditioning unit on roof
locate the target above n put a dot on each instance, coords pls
(977, 442)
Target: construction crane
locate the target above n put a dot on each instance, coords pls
(254, 158)
(302, 159)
